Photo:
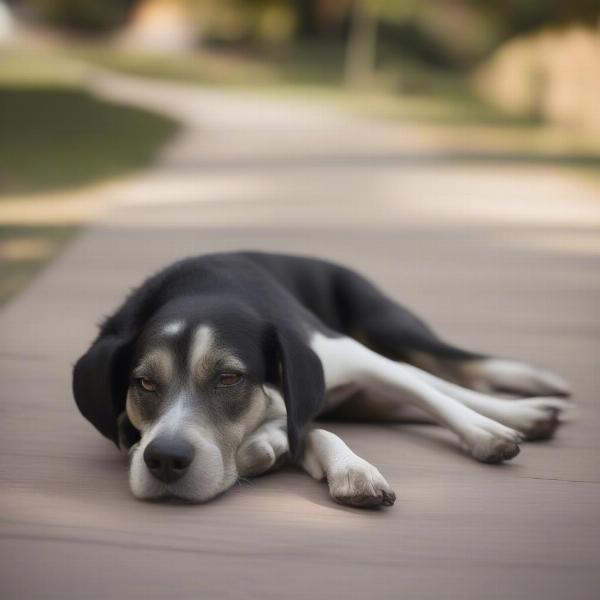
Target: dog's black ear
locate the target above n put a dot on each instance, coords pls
(100, 382)
(302, 383)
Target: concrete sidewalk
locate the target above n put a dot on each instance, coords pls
(497, 258)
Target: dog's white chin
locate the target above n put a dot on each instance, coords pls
(203, 481)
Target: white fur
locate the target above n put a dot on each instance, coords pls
(513, 376)
(173, 328)
(346, 362)
(524, 415)
(202, 343)
(351, 479)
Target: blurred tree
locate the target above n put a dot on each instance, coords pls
(361, 46)
(447, 33)
(306, 11)
(89, 15)
(318, 18)
(519, 16)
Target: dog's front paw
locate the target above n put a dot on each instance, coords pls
(490, 442)
(255, 459)
(261, 452)
(360, 484)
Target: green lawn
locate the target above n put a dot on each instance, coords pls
(55, 136)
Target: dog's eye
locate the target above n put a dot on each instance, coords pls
(229, 379)
(146, 384)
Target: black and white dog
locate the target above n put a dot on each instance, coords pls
(215, 368)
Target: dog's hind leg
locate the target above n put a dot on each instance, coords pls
(391, 330)
(346, 362)
(537, 418)
(513, 377)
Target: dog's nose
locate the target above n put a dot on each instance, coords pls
(168, 458)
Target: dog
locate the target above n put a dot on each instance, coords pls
(216, 367)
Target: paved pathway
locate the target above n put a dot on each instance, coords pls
(499, 258)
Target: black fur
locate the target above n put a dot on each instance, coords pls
(265, 305)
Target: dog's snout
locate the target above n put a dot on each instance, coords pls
(168, 458)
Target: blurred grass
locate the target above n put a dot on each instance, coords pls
(206, 68)
(55, 136)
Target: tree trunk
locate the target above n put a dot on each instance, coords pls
(361, 46)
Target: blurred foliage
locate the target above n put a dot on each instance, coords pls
(443, 32)
(85, 15)
(519, 16)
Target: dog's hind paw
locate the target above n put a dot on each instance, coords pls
(514, 377)
(537, 418)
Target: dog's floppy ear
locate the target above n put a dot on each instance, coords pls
(302, 383)
(100, 382)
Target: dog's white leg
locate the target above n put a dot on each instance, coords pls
(347, 361)
(504, 375)
(263, 449)
(537, 418)
(351, 479)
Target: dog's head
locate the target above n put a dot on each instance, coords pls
(194, 381)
